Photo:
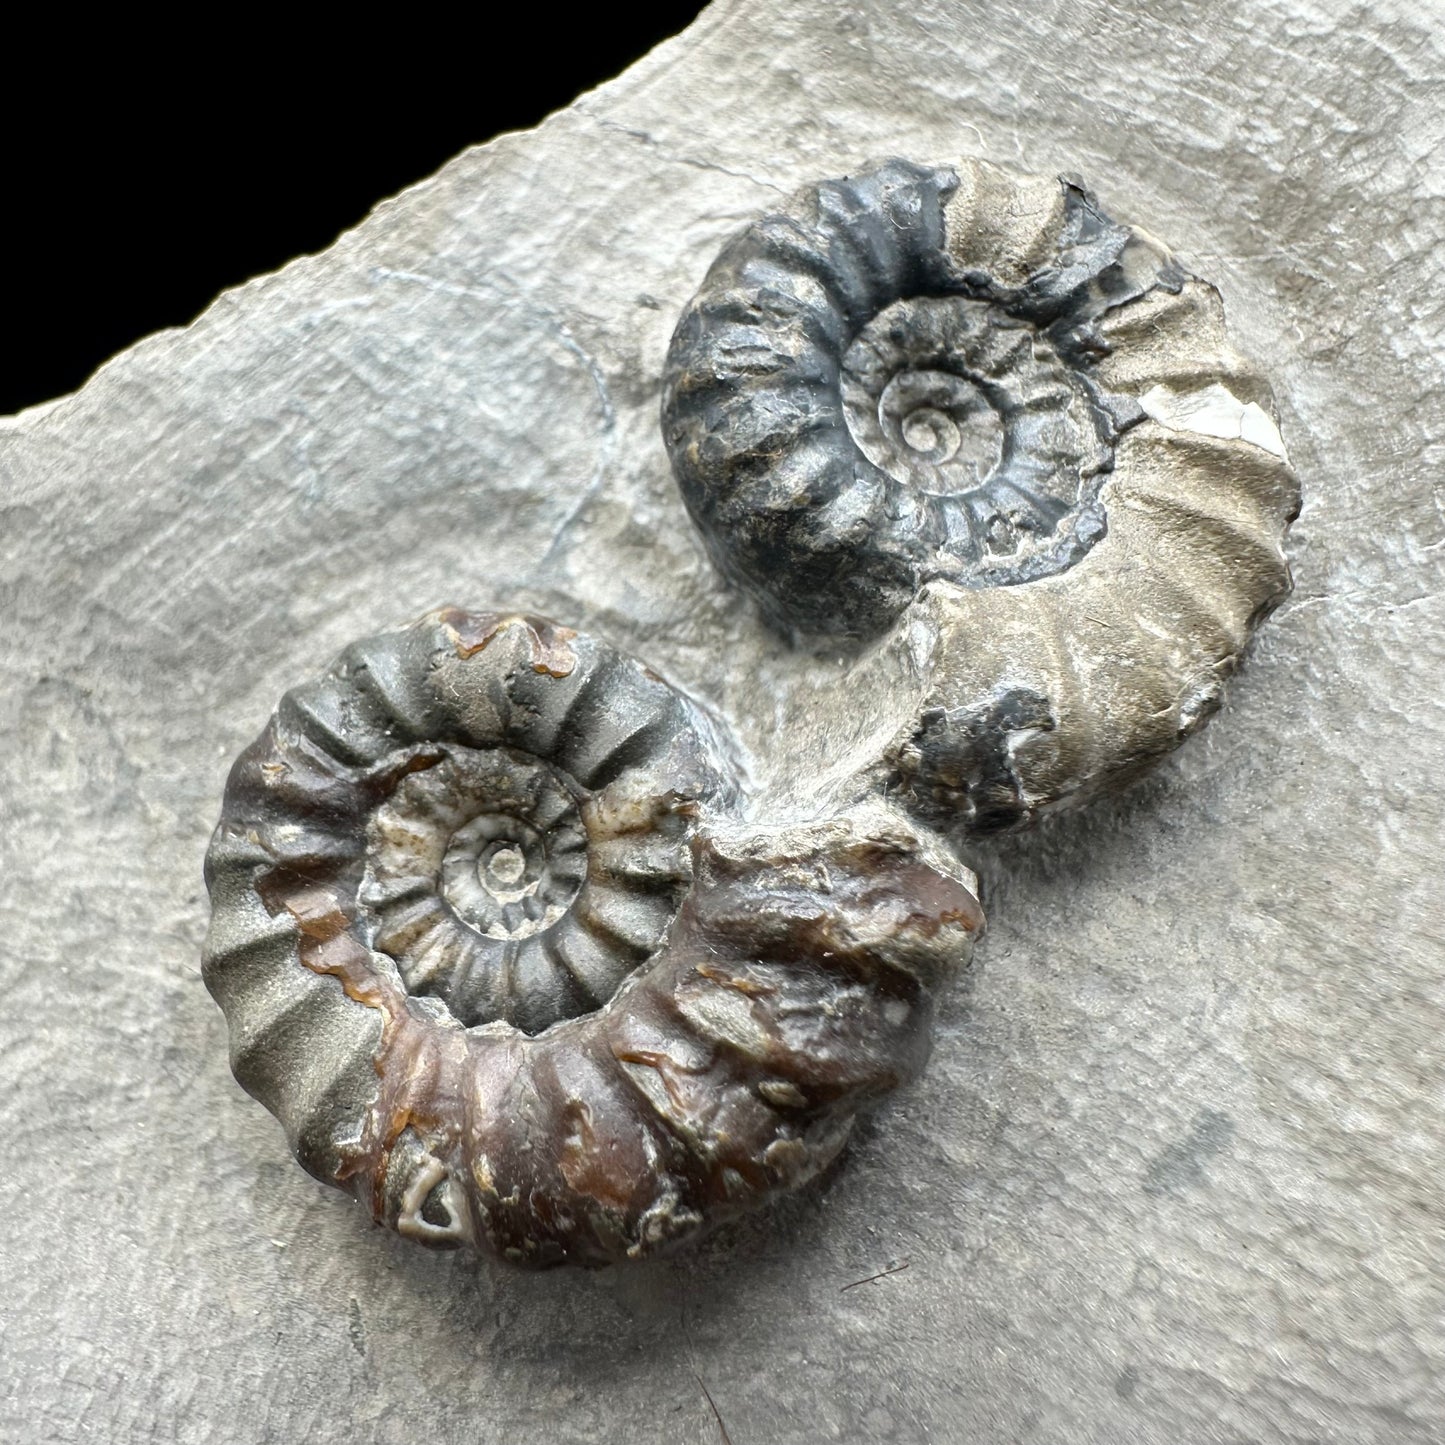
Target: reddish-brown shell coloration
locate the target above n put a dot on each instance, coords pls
(793, 986)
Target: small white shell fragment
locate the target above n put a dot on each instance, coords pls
(1214, 411)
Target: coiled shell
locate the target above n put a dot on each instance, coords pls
(505, 803)
(978, 393)
(629, 1030)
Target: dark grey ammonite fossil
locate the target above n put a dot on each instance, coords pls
(493, 954)
(979, 393)
(896, 379)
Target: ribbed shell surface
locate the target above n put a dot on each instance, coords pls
(489, 1043)
(975, 400)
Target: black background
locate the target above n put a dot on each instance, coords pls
(145, 171)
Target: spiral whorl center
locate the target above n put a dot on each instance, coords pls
(471, 865)
(502, 868)
(504, 875)
(974, 409)
(942, 421)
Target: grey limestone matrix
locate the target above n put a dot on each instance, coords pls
(1171, 1175)
(513, 938)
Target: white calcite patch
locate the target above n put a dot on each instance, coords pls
(1214, 411)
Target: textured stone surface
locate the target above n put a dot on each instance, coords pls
(1172, 1173)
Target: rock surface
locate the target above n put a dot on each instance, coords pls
(1172, 1172)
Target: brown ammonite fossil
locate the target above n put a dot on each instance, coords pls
(974, 404)
(494, 953)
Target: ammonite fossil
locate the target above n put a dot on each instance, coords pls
(494, 957)
(493, 941)
(979, 394)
